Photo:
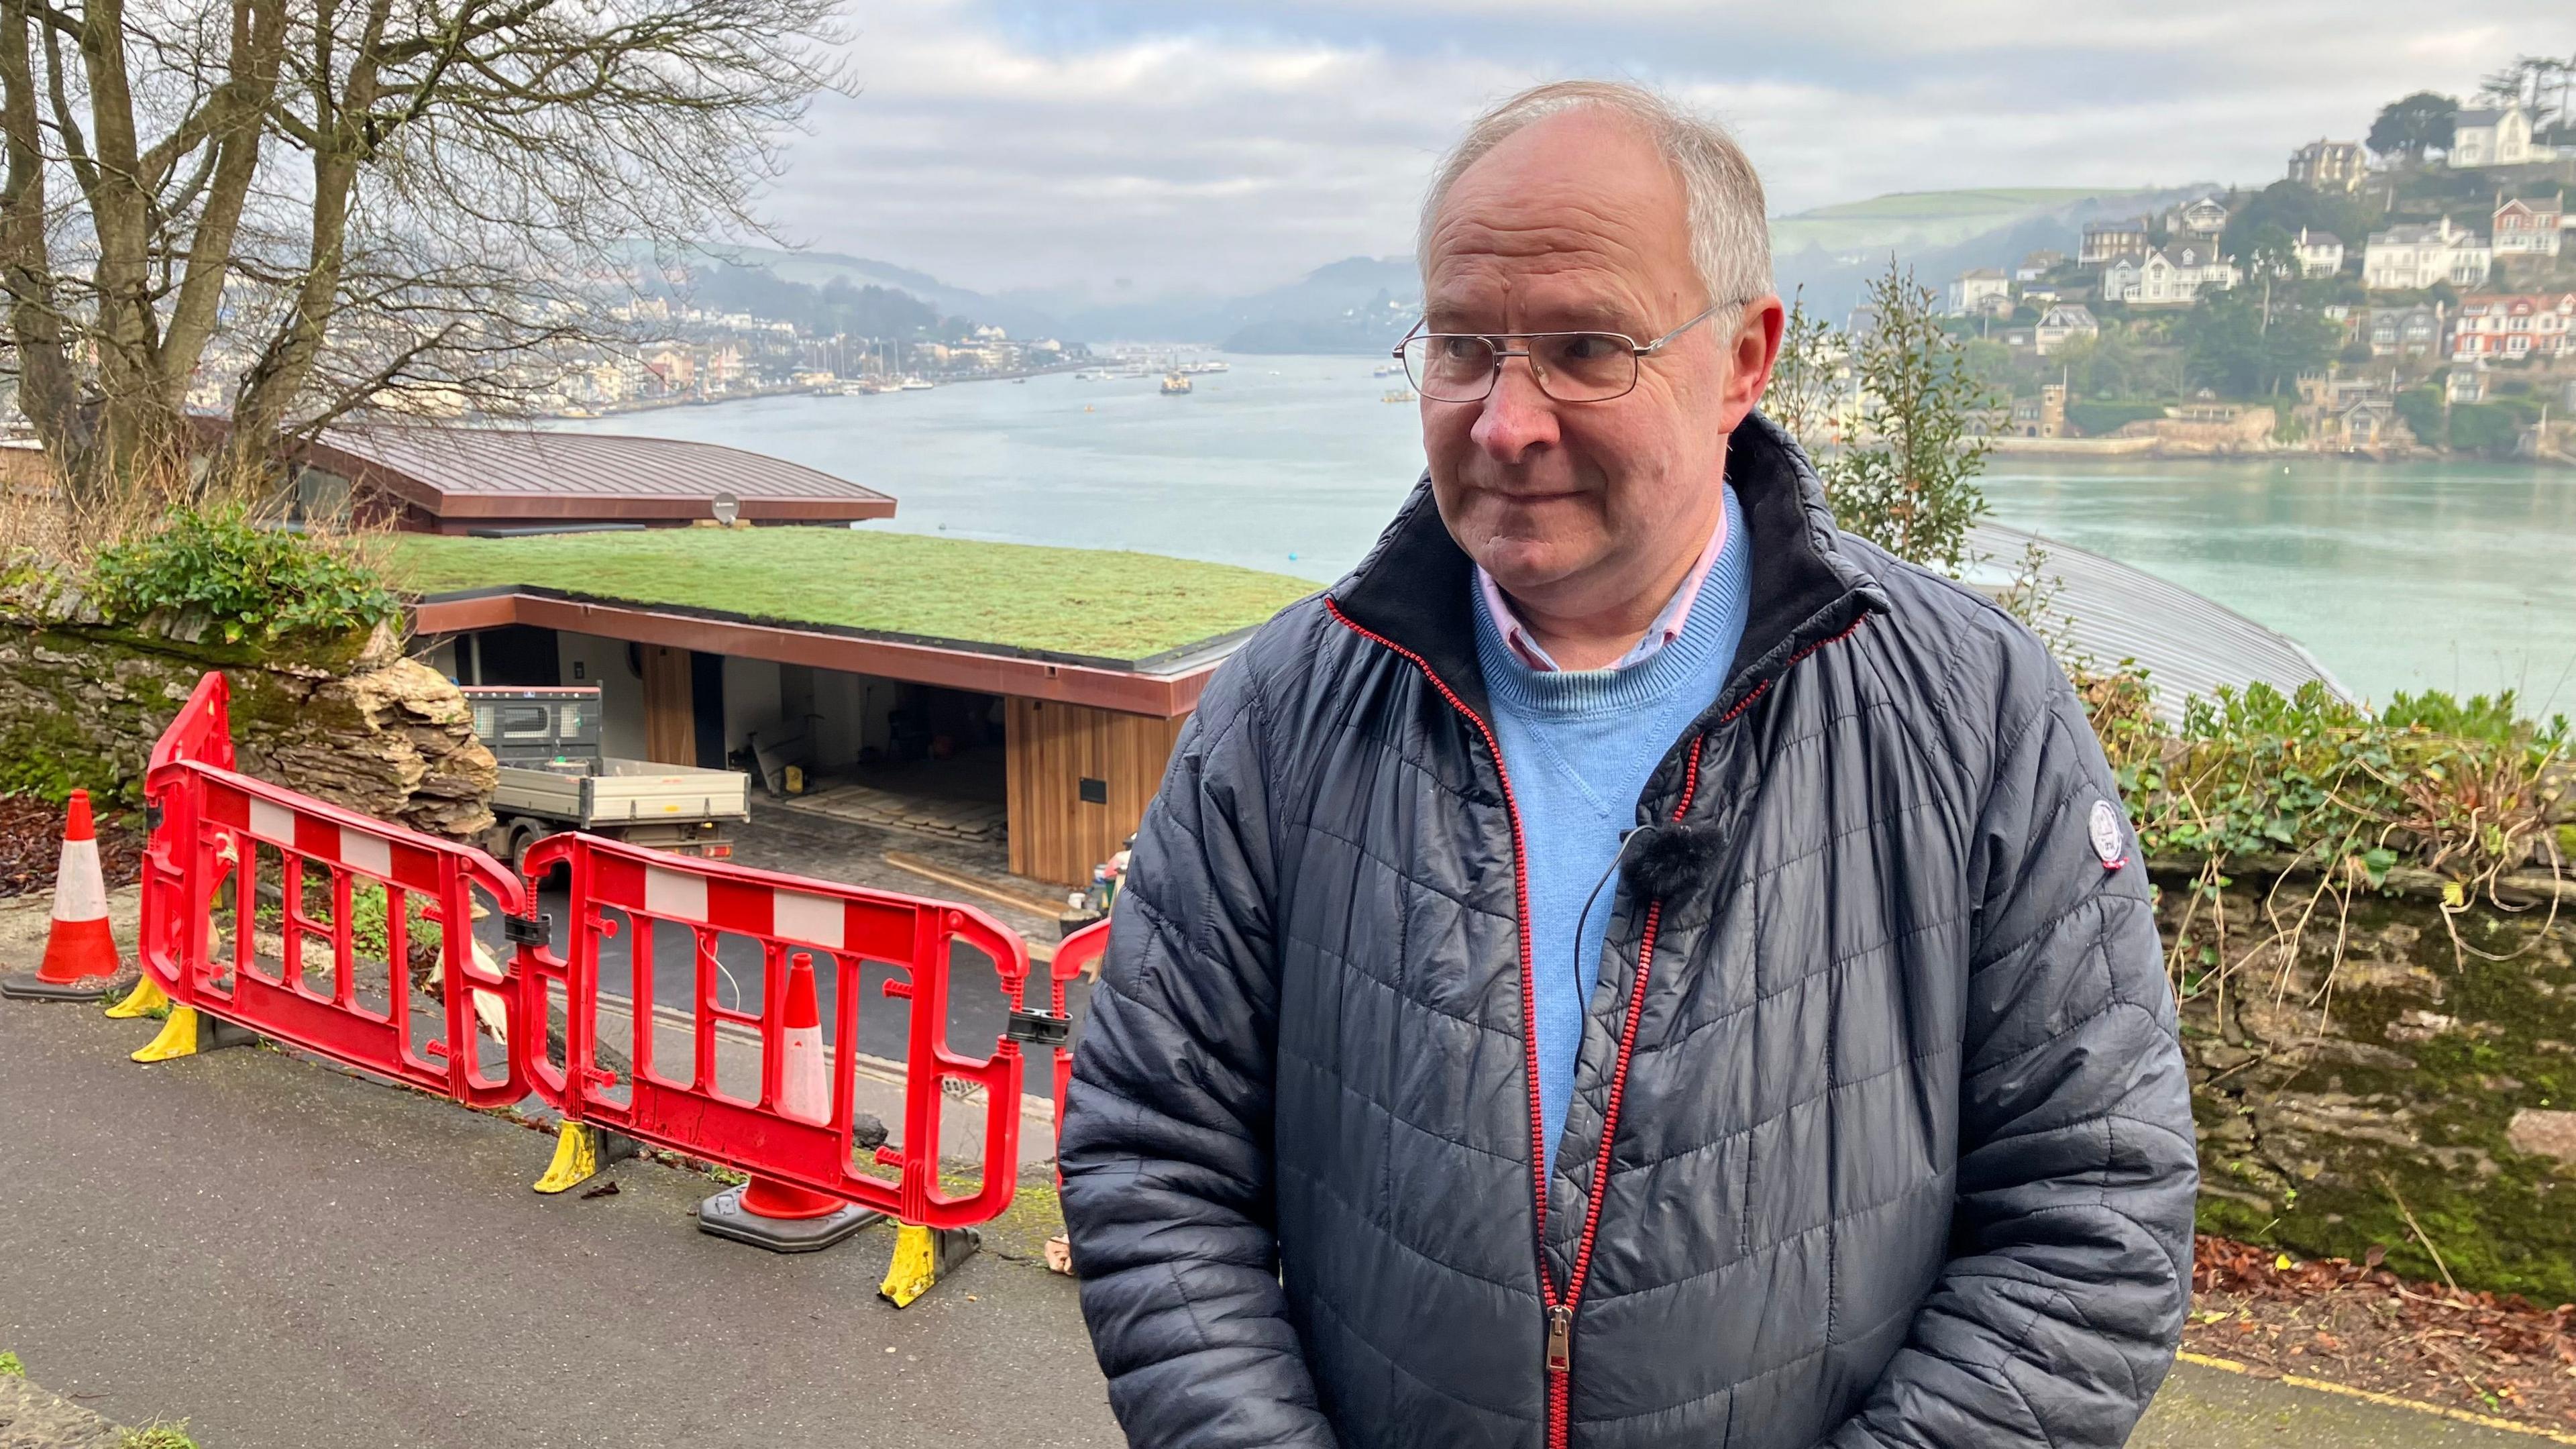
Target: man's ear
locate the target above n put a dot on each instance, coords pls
(1750, 357)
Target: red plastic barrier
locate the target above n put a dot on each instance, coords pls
(839, 927)
(209, 826)
(203, 730)
(1073, 956)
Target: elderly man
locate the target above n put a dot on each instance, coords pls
(1629, 965)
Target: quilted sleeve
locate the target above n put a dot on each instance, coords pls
(2059, 1311)
(1166, 1149)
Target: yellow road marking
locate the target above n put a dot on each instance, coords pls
(2368, 1396)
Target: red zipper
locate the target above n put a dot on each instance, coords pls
(1560, 1307)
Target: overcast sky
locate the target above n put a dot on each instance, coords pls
(1188, 144)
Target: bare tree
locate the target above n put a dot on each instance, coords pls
(310, 207)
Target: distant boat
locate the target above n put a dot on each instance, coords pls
(1400, 395)
(1019, 379)
(1174, 384)
(1388, 369)
(918, 384)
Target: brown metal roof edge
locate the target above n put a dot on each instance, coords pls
(1102, 684)
(364, 471)
(638, 506)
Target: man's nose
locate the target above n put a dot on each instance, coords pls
(1517, 416)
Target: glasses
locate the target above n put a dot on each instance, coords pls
(1571, 367)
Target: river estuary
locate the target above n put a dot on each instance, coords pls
(2458, 576)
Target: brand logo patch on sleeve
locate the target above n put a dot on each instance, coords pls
(2110, 835)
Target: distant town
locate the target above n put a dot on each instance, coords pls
(2411, 292)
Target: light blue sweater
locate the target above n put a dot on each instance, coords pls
(1580, 745)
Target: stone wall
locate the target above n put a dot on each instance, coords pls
(2430, 1071)
(351, 721)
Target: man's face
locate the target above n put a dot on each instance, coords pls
(1575, 223)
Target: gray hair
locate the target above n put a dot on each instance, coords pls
(1730, 232)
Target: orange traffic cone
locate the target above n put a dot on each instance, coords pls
(80, 954)
(781, 1216)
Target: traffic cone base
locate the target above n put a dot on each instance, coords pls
(32, 987)
(923, 1256)
(727, 1216)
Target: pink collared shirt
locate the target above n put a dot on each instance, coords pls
(1665, 629)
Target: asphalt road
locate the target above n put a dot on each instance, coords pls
(286, 1256)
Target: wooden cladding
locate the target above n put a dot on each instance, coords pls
(670, 714)
(1079, 779)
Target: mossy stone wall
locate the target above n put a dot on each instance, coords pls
(2417, 1074)
(349, 720)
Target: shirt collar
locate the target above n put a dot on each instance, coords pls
(1667, 626)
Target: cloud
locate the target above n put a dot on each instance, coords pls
(1223, 144)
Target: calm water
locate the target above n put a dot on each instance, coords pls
(2458, 576)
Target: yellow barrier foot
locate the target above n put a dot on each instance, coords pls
(190, 1033)
(922, 1256)
(147, 999)
(581, 1150)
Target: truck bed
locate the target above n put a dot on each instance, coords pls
(623, 792)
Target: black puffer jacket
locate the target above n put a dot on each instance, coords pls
(1899, 1145)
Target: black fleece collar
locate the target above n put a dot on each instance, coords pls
(1413, 588)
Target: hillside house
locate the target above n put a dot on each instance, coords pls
(2168, 276)
(2206, 217)
(2043, 416)
(2066, 322)
(1985, 292)
(2320, 253)
(2108, 241)
(2496, 137)
(2514, 327)
(992, 703)
(2407, 258)
(2529, 227)
(2465, 385)
(2037, 264)
(2323, 165)
(2404, 331)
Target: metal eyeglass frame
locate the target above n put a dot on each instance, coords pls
(1495, 340)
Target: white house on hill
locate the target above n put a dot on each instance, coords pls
(2404, 258)
(1985, 291)
(2206, 217)
(2498, 137)
(2320, 253)
(2167, 276)
(2066, 322)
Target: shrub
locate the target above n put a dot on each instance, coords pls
(2458, 787)
(257, 583)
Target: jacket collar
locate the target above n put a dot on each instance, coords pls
(1413, 588)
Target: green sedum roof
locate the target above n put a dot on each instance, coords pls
(1092, 602)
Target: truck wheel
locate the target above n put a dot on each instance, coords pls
(557, 876)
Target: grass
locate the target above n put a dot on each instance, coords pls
(1919, 218)
(10, 1367)
(157, 1436)
(1064, 600)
